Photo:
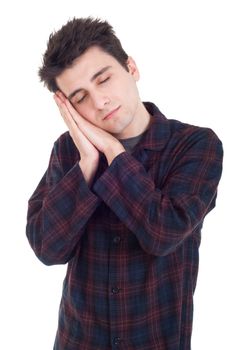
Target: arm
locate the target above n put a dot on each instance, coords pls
(59, 210)
(161, 218)
(63, 203)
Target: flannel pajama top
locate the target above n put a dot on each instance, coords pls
(131, 239)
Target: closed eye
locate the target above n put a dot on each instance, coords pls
(100, 82)
(81, 99)
(103, 81)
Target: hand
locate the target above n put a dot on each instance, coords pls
(99, 138)
(84, 146)
(89, 155)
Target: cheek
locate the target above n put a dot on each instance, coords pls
(130, 90)
(131, 98)
(84, 111)
(89, 115)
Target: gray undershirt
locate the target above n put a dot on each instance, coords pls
(130, 143)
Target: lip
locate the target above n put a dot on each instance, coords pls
(109, 115)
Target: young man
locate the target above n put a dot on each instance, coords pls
(122, 202)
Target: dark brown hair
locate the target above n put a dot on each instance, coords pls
(71, 41)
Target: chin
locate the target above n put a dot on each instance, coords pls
(118, 132)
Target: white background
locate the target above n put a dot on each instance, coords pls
(183, 50)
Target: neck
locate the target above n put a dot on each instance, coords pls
(139, 124)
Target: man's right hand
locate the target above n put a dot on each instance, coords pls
(89, 155)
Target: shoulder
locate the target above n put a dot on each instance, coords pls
(191, 135)
(178, 136)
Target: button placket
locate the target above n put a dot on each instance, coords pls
(115, 289)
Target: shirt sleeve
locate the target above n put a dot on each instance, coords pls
(58, 211)
(161, 218)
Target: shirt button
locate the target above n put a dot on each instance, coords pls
(115, 290)
(117, 341)
(117, 239)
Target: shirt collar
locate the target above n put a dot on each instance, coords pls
(158, 132)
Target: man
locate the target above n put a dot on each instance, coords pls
(122, 202)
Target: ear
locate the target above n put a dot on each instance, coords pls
(133, 70)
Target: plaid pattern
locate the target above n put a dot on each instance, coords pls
(131, 240)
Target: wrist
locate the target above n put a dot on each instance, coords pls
(112, 151)
(88, 161)
(88, 168)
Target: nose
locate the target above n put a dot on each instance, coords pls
(99, 100)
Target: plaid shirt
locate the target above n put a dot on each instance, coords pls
(130, 240)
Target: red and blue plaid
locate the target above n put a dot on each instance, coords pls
(131, 240)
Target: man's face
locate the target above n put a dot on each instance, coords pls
(102, 91)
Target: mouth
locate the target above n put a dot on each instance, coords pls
(109, 115)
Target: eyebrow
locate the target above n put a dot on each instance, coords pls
(101, 71)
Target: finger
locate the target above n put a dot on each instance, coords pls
(72, 116)
(69, 121)
(60, 105)
(62, 100)
(73, 112)
(60, 95)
